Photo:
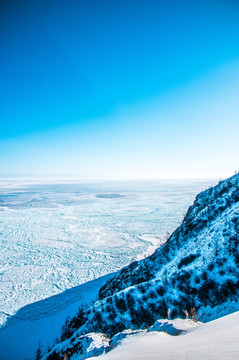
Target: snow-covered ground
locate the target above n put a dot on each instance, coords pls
(216, 340)
(54, 237)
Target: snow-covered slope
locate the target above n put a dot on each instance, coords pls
(216, 340)
(166, 340)
(208, 234)
(95, 344)
(196, 268)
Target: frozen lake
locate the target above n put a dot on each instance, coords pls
(56, 236)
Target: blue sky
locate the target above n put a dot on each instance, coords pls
(119, 89)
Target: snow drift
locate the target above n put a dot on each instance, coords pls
(216, 340)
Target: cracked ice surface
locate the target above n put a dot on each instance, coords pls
(56, 236)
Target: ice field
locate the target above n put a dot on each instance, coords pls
(57, 236)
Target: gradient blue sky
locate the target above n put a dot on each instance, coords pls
(119, 89)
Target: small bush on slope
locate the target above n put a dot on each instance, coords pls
(70, 326)
(187, 260)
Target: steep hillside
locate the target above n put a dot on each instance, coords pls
(209, 229)
(197, 268)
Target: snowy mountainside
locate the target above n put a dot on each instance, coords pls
(196, 268)
(95, 344)
(211, 224)
(215, 340)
